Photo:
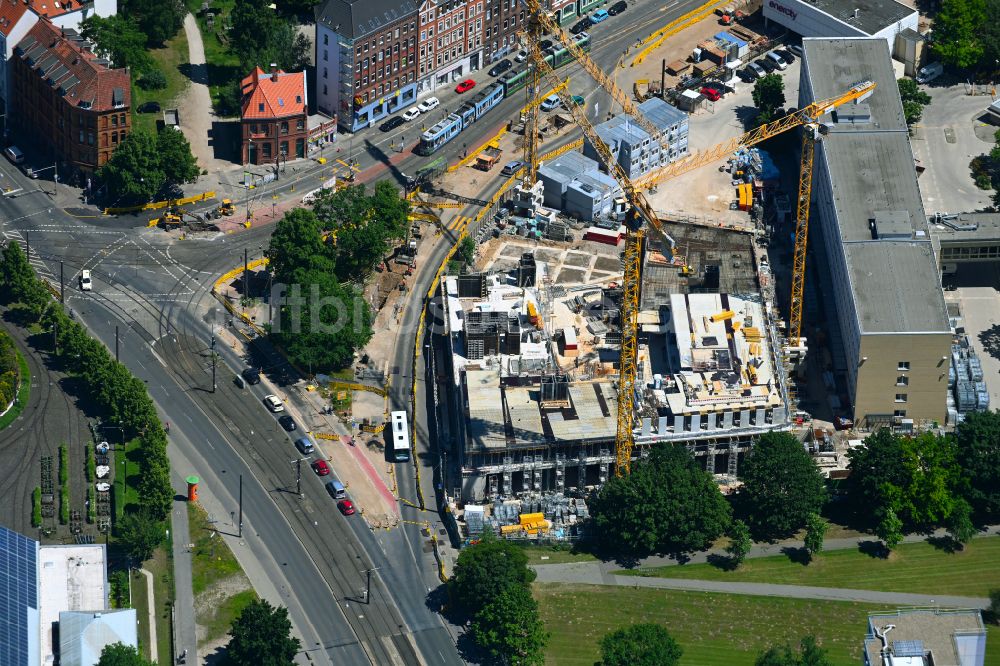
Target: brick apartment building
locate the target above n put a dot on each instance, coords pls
(451, 41)
(504, 18)
(274, 117)
(366, 59)
(67, 99)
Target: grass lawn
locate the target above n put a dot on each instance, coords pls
(170, 60)
(161, 566)
(223, 66)
(554, 555)
(221, 589)
(131, 461)
(713, 629)
(23, 392)
(140, 602)
(913, 567)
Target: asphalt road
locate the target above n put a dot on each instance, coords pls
(156, 293)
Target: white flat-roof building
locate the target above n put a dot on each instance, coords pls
(842, 18)
(71, 578)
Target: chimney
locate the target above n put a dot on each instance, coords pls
(274, 72)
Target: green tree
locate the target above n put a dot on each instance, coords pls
(668, 503)
(978, 444)
(995, 605)
(815, 533)
(323, 322)
(119, 39)
(156, 496)
(914, 99)
(958, 30)
(810, 654)
(740, 542)
(889, 529)
(296, 246)
(262, 636)
(140, 534)
(18, 277)
(467, 250)
(485, 569)
(643, 644)
(781, 486)
(133, 174)
(119, 654)
(159, 20)
(260, 37)
(768, 97)
(509, 629)
(960, 526)
(176, 161)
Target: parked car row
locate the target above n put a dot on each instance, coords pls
(773, 61)
(599, 16)
(410, 114)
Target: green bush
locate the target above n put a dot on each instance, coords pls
(154, 79)
(36, 507)
(63, 464)
(91, 505)
(119, 588)
(64, 505)
(88, 451)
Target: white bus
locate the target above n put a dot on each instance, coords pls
(400, 437)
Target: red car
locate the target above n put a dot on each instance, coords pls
(346, 507)
(712, 94)
(465, 86)
(320, 467)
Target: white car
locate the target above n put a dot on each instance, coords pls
(274, 403)
(521, 56)
(86, 284)
(411, 113)
(429, 104)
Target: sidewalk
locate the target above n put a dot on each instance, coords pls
(592, 574)
(185, 634)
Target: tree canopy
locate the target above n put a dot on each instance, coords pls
(666, 504)
(259, 37)
(509, 629)
(768, 97)
(978, 451)
(781, 486)
(119, 654)
(958, 36)
(740, 542)
(159, 20)
(643, 644)
(914, 99)
(143, 164)
(140, 534)
(262, 636)
(815, 533)
(484, 569)
(916, 477)
(119, 39)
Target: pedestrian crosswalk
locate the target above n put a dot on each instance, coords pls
(36, 261)
(459, 222)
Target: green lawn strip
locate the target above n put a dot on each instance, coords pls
(162, 568)
(140, 601)
(169, 60)
(223, 65)
(713, 629)
(211, 559)
(913, 567)
(132, 480)
(23, 393)
(554, 555)
(220, 587)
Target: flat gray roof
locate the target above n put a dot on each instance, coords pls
(968, 227)
(565, 168)
(929, 631)
(873, 15)
(895, 281)
(623, 127)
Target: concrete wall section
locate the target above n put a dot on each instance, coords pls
(886, 387)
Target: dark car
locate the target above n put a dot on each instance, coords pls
(391, 124)
(747, 75)
(546, 43)
(767, 64)
(785, 55)
(287, 422)
(251, 375)
(149, 107)
(618, 8)
(500, 68)
(581, 25)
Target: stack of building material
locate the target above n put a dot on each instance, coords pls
(967, 380)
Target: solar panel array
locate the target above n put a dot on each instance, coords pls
(908, 648)
(18, 593)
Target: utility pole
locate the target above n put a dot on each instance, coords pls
(246, 276)
(298, 476)
(241, 507)
(116, 343)
(368, 583)
(214, 357)
(55, 335)
(27, 245)
(62, 285)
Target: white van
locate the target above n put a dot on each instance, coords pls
(14, 154)
(930, 72)
(777, 60)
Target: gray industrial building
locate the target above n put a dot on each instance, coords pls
(574, 184)
(635, 150)
(890, 336)
(842, 18)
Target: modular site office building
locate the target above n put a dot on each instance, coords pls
(538, 412)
